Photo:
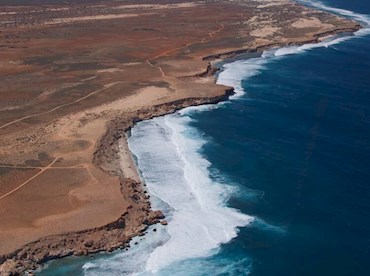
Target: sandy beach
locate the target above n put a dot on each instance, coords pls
(71, 90)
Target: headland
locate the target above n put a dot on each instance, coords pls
(75, 77)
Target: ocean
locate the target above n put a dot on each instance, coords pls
(275, 181)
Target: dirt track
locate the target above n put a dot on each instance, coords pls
(69, 90)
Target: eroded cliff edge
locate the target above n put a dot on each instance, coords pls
(71, 149)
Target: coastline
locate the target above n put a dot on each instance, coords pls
(111, 236)
(116, 235)
(259, 49)
(106, 157)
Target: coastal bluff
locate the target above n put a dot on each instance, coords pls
(77, 75)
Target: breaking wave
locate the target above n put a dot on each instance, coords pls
(168, 152)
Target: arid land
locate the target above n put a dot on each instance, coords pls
(75, 77)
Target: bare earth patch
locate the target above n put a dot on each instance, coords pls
(75, 79)
(310, 23)
(159, 6)
(88, 18)
(263, 32)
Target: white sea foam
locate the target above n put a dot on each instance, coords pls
(174, 171)
(362, 18)
(233, 73)
(179, 180)
(210, 266)
(290, 50)
(132, 261)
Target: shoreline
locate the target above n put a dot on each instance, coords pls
(260, 49)
(107, 157)
(170, 108)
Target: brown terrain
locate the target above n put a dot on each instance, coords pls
(76, 75)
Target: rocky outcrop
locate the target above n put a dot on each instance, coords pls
(107, 238)
(261, 48)
(117, 234)
(139, 215)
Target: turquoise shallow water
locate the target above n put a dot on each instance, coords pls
(291, 152)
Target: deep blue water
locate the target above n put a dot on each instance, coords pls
(297, 147)
(298, 144)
